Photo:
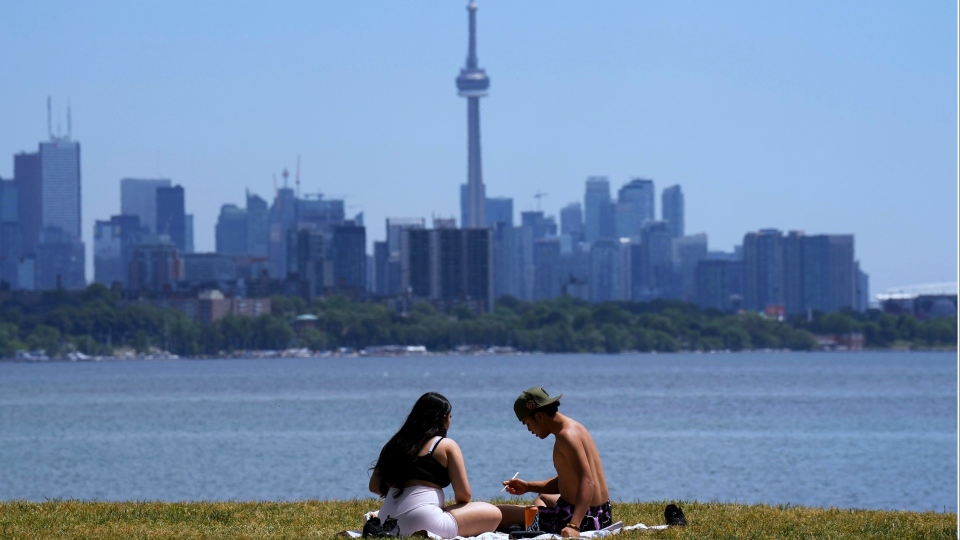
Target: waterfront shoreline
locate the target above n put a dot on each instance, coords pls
(500, 351)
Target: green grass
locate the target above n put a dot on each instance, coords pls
(323, 519)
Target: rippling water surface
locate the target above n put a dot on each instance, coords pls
(852, 430)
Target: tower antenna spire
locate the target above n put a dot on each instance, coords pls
(472, 50)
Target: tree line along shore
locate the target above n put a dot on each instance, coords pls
(325, 519)
(96, 322)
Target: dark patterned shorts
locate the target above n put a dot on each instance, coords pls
(554, 518)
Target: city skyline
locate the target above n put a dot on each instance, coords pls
(818, 118)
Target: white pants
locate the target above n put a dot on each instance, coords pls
(419, 508)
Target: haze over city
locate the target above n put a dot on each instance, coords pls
(816, 117)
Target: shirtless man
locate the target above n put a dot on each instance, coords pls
(576, 499)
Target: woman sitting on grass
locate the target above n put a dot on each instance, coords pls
(414, 467)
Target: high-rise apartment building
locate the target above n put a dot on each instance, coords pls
(387, 260)
(598, 209)
(687, 253)
(571, 221)
(634, 207)
(26, 176)
(657, 276)
(395, 228)
(800, 273)
(499, 210)
(138, 197)
(763, 270)
(672, 209)
(449, 266)
(829, 278)
(9, 234)
(513, 267)
(547, 279)
(718, 282)
(605, 270)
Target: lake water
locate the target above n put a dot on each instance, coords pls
(851, 430)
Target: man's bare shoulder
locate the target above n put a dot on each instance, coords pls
(572, 433)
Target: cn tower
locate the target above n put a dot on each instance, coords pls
(472, 84)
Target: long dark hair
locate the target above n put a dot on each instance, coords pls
(425, 421)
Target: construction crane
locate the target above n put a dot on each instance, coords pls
(276, 194)
(298, 176)
(539, 195)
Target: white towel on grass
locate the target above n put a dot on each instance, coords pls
(607, 531)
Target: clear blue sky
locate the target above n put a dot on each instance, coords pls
(821, 116)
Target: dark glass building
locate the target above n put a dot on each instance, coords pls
(171, 218)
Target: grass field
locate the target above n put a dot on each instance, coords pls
(324, 519)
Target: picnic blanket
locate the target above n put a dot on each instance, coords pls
(611, 530)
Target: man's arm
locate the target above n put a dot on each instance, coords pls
(519, 486)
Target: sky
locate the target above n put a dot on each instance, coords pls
(820, 116)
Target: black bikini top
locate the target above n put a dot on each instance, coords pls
(428, 469)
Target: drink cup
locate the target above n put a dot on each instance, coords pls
(529, 514)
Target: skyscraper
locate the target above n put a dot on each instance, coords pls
(258, 226)
(472, 84)
(60, 251)
(763, 269)
(171, 218)
(687, 252)
(656, 275)
(598, 209)
(571, 221)
(9, 233)
(449, 266)
(60, 185)
(635, 206)
(138, 197)
(672, 204)
(26, 176)
(499, 210)
(231, 231)
(347, 254)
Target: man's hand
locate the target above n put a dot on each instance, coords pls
(516, 486)
(570, 532)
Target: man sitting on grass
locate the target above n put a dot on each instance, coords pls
(576, 499)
